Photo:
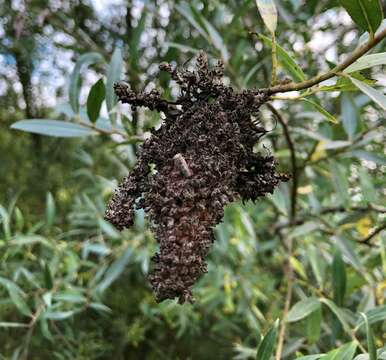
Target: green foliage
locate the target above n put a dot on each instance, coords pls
(52, 128)
(288, 63)
(73, 287)
(95, 99)
(367, 14)
(75, 80)
(267, 345)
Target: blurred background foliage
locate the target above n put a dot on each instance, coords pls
(72, 287)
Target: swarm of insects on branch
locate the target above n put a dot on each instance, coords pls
(203, 159)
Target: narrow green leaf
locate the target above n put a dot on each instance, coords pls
(19, 219)
(216, 39)
(339, 313)
(204, 27)
(50, 209)
(367, 14)
(49, 283)
(100, 307)
(47, 298)
(317, 264)
(310, 357)
(16, 297)
(98, 249)
(268, 12)
(347, 249)
(58, 315)
(314, 325)
(349, 113)
(324, 112)
(345, 352)
(108, 229)
(251, 73)
(5, 221)
(286, 61)
(373, 316)
(95, 100)
(182, 47)
(367, 186)
(336, 144)
(373, 94)
(248, 225)
(370, 339)
(114, 73)
(74, 88)
(340, 182)
(52, 128)
(135, 38)
(298, 267)
(116, 269)
(44, 328)
(344, 84)
(338, 278)
(12, 324)
(366, 62)
(71, 296)
(267, 345)
(365, 155)
(302, 309)
(279, 199)
(187, 13)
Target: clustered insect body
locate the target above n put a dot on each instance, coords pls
(203, 159)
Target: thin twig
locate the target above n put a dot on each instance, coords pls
(274, 60)
(360, 51)
(103, 131)
(332, 209)
(328, 210)
(31, 326)
(288, 298)
(377, 231)
(309, 162)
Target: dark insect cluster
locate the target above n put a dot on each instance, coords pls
(199, 160)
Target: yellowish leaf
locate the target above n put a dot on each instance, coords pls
(234, 240)
(380, 292)
(228, 284)
(298, 267)
(303, 190)
(347, 226)
(229, 306)
(320, 151)
(364, 226)
(268, 12)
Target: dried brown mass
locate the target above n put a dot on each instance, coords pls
(203, 159)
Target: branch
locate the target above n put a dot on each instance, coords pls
(327, 210)
(377, 231)
(274, 60)
(342, 150)
(375, 208)
(291, 147)
(360, 51)
(107, 132)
